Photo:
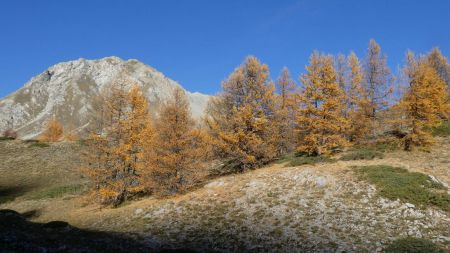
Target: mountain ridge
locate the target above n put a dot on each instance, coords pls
(67, 90)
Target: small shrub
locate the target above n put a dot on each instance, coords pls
(412, 187)
(442, 130)
(296, 159)
(9, 134)
(413, 245)
(53, 132)
(362, 154)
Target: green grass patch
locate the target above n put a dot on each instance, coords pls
(57, 192)
(8, 198)
(412, 187)
(38, 144)
(442, 130)
(295, 159)
(413, 245)
(6, 138)
(362, 154)
(30, 141)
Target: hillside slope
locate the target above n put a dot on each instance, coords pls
(314, 208)
(67, 90)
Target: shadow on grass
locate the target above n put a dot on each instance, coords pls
(9, 193)
(17, 234)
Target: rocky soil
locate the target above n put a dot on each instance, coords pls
(320, 208)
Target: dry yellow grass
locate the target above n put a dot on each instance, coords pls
(308, 207)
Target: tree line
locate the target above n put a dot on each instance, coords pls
(340, 101)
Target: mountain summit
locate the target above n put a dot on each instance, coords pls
(67, 91)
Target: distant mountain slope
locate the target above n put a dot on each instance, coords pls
(67, 90)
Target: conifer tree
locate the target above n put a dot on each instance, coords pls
(358, 103)
(117, 151)
(321, 124)
(53, 131)
(240, 118)
(425, 102)
(341, 71)
(378, 81)
(440, 64)
(285, 112)
(180, 147)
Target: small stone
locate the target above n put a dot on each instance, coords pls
(138, 211)
(409, 205)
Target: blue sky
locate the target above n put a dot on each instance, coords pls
(198, 43)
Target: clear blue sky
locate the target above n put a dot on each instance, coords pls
(198, 43)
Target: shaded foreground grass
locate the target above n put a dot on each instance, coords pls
(413, 245)
(412, 187)
(8, 194)
(20, 235)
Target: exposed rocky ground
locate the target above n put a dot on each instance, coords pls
(309, 208)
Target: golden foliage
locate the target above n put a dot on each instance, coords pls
(240, 118)
(377, 83)
(117, 152)
(440, 63)
(53, 131)
(425, 102)
(285, 113)
(321, 124)
(358, 103)
(70, 135)
(179, 149)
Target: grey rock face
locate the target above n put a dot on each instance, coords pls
(67, 90)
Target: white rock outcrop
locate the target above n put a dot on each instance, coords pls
(66, 91)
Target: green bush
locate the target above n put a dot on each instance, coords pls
(362, 154)
(442, 130)
(295, 159)
(413, 245)
(412, 187)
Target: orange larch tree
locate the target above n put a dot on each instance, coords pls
(117, 151)
(241, 118)
(53, 131)
(285, 112)
(377, 83)
(425, 102)
(321, 124)
(358, 104)
(180, 148)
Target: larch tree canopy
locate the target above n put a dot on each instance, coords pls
(117, 151)
(180, 148)
(425, 102)
(285, 112)
(358, 103)
(321, 123)
(377, 81)
(240, 118)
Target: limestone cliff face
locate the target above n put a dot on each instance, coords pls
(67, 90)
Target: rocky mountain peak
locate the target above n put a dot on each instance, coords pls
(66, 91)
